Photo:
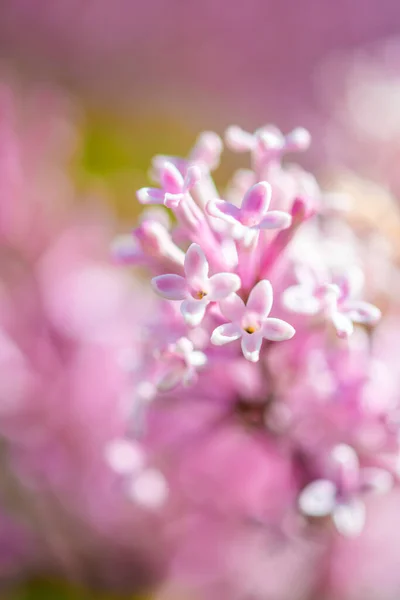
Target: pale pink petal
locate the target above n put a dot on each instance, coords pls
(361, 312)
(173, 200)
(229, 332)
(239, 140)
(374, 479)
(193, 176)
(233, 307)
(346, 467)
(260, 299)
(184, 346)
(193, 311)
(171, 286)
(197, 359)
(277, 330)
(172, 377)
(318, 498)
(349, 517)
(275, 219)
(298, 139)
(149, 195)
(343, 325)
(251, 346)
(207, 149)
(196, 265)
(149, 489)
(223, 210)
(255, 203)
(299, 298)
(124, 456)
(222, 285)
(190, 377)
(171, 178)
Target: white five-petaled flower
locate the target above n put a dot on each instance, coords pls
(333, 300)
(253, 215)
(341, 496)
(251, 322)
(179, 363)
(174, 186)
(196, 289)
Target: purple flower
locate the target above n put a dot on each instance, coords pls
(253, 214)
(341, 497)
(179, 364)
(251, 322)
(196, 288)
(333, 300)
(174, 186)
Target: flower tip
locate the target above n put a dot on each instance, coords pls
(299, 139)
(302, 209)
(143, 195)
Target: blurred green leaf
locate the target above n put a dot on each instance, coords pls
(59, 590)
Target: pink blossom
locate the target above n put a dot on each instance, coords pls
(196, 289)
(253, 214)
(174, 186)
(333, 300)
(251, 322)
(342, 498)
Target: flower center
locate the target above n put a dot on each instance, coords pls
(250, 329)
(250, 324)
(199, 295)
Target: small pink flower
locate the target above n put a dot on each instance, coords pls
(196, 289)
(341, 498)
(180, 363)
(253, 214)
(267, 140)
(173, 186)
(333, 300)
(251, 322)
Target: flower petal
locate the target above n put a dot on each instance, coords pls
(239, 140)
(361, 312)
(233, 307)
(277, 330)
(193, 311)
(229, 332)
(318, 498)
(172, 376)
(123, 456)
(222, 285)
(251, 346)
(343, 325)
(149, 489)
(223, 210)
(275, 219)
(173, 200)
(260, 299)
(171, 286)
(149, 195)
(193, 176)
(349, 517)
(377, 480)
(171, 178)
(255, 203)
(300, 299)
(197, 359)
(195, 265)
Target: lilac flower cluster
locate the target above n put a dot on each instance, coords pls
(272, 261)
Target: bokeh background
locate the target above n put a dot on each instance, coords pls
(90, 90)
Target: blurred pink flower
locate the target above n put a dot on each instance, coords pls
(265, 461)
